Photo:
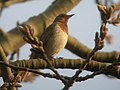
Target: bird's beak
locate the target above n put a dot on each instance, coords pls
(69, 16)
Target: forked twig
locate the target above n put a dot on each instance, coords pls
(37, 45)
(106, 14)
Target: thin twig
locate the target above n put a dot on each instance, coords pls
(29, 37)
(7, 74)
(99, 42)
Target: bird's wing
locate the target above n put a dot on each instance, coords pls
(48, 33)
(45, 37)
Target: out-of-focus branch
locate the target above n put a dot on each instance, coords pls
(117, 6)
(7, 3)
(81, 50)
(13, 39)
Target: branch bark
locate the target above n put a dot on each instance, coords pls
(7, 3)
(82, 51)
(92, 66)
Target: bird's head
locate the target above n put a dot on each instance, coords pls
(63, 18)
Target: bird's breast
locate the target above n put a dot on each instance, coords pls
(56, 41)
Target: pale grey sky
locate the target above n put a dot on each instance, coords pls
(82, 26)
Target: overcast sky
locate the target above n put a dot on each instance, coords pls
(82, 26)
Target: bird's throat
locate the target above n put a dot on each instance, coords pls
(63, 26)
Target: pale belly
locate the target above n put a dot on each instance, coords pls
(56, 43)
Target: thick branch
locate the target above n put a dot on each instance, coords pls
(81, 50)
(79, 79)
(8, 3)
(66, 64)
(13, 39)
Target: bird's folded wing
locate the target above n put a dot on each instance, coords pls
(48, 33)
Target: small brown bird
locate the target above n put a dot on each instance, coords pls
(55, 36)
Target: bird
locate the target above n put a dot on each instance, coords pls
(55, 37)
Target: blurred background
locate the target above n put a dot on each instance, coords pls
(82, 26)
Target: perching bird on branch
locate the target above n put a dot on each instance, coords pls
(55, 36)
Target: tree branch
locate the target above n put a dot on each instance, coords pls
(82, 51)
(6, 71)
(79, 79)
(66, 64)
(7, 3)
